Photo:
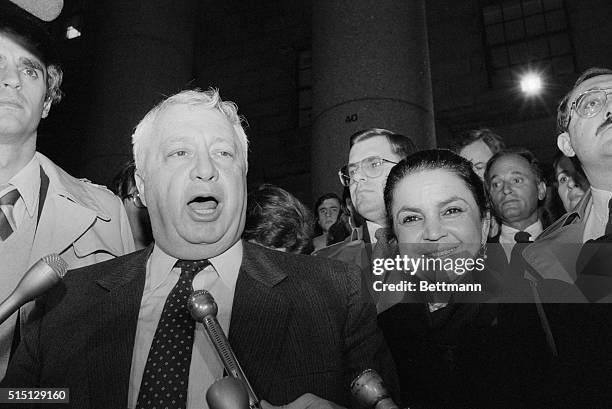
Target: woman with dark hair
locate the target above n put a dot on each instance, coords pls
(439, 333)
(570, 182)
(278, 220)
(124, 186)
(330, 221)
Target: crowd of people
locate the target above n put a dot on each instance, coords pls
(505, 304)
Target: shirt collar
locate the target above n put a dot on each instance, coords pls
(227, 265)
(507, 232)
(27, 182)
(600, 203)
(372, 227)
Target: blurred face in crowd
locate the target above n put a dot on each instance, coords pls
(479, 154)
(328, 213)
(367, 192)
(138, 217)
(515, 191)
(568, 187)
(590, 138)
(435, 215)
(23, 88)
(194, 182)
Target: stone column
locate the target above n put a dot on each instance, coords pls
(370, 69)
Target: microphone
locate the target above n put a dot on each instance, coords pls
(45, 10)
(370, 392)
(43, 275)
(227, 393)
(204, 309)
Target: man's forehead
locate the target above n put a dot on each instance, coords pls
(25, 51)
(374, 146)
(330, 202)
(598, 82)
(512, 164)
(194, 118)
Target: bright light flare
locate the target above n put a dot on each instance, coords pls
(531, 84)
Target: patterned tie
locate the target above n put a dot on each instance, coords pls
(6, 210)
(166, 375)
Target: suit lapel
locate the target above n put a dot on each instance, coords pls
(260, 313)
(110, 352)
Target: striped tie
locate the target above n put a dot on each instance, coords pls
(6, 212)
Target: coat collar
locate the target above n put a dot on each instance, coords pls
(70, 187)
(258, 265)
(553, 255)
(70, 209)
(260, 314)
(110, 352)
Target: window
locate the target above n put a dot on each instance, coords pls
(304, 82)
(526, 33)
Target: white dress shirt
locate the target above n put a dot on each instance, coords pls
(372, 227)
(27, 182)
(506, 236)
(596, 214)
(161, 277)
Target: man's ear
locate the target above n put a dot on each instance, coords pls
(565, 144)
(541, 190)
(486, 225)
(46, 107)
(140, 185)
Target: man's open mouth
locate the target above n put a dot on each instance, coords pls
(203, 205)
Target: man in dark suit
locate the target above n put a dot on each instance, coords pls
(118, 333)
(373, 152)
(572, 256)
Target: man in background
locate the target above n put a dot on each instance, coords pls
(43, 209)
(299, 325)
(373, 152)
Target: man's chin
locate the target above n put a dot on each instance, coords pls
(198, 249)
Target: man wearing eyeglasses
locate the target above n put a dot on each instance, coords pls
(584, 122)
(373, 152)
(573, 256)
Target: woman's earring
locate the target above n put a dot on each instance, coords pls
(482, 253)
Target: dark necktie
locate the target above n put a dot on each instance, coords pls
(166, 374)
(6, 210)
(522, 237)
(594, 275)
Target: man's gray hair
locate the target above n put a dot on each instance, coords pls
(207, 99)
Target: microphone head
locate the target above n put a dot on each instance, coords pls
(201, 305)
(46, 10)
(227, 393)
(368, 389)
(57, 264)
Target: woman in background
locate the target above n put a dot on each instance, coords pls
(570, 182)
(278, 220)
(124, 186)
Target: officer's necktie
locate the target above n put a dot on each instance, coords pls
(7, 202)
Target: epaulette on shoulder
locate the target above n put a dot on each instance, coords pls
(90, 183)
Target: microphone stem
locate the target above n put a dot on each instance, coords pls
(8, 307)
(224, 350)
